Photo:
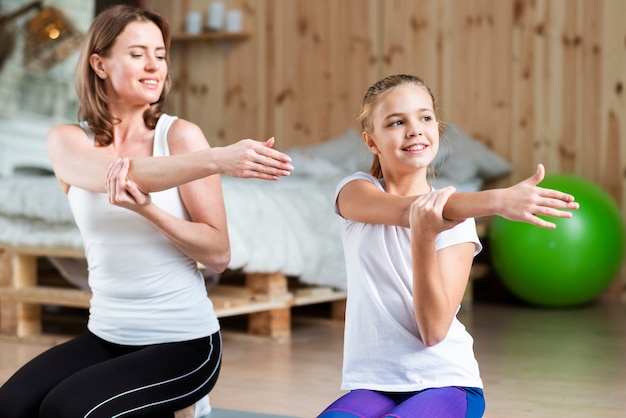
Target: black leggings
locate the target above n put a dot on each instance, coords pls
(92, 378)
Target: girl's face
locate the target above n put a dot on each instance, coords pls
(405, 132)
(136, 69)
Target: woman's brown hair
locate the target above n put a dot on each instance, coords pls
(100, 39)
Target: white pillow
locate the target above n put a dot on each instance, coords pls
(310, 165)
(346, 152)
(462, 158)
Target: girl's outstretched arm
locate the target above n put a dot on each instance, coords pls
(521, 202)
(361, 201)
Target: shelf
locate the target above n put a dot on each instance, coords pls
(210, 36)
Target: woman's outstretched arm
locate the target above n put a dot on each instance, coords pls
(76, 162)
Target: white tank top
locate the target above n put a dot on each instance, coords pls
(145, 290)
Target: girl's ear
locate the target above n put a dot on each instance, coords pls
(369, 142)
(97, 65)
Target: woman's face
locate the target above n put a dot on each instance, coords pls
(405, 130)
(136, 68)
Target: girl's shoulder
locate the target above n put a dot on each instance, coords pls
(360, 175)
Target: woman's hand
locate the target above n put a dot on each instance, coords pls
(253, 159)
(121, 190)
(524, 201)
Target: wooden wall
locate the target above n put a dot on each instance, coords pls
(299, 77)
(535, 80)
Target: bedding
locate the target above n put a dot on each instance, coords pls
(286, 226)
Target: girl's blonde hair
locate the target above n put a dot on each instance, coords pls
(371, 98)
(100, 39)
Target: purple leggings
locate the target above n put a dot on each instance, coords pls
(446, 402)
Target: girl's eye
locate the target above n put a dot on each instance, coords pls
(161, 58)
(427, 118)
(135, 55)
(396, 123)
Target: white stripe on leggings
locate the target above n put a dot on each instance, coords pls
(161, 383)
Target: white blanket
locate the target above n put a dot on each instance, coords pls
(286, 226)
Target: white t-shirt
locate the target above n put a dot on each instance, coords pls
(382, 346)
(145, 290)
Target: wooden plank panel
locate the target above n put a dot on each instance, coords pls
(44, 295)
(612, 128)
(283, 72)
(549, 32)
(522, 137)
(247, 78)
(498, 130)
(612, 132)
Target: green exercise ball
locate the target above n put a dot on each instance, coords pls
(567, 266)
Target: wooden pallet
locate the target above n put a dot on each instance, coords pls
(267, 299)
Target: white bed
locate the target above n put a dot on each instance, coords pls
(287, 226)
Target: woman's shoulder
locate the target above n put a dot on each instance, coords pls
(182, 134)
(67, 127)
(176, 125)
(66, 131)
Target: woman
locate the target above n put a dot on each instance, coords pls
(145, 191)
(409, 250)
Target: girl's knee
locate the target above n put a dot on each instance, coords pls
(359, 403)
(338, 414)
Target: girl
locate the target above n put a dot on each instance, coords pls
(409, 250)
(145, 191)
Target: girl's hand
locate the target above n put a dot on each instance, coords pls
(524, 201)
(254, 159)
(121, 190)
(426, 213)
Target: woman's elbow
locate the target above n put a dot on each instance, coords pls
(216, 261)
(219, 262)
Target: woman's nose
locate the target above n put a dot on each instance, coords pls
(152, 64)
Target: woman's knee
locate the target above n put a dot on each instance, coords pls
(12, 409)
(63, 401)
(53, 406)
(15, 402)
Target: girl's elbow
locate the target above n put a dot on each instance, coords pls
(432, 339)
(433, 334)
